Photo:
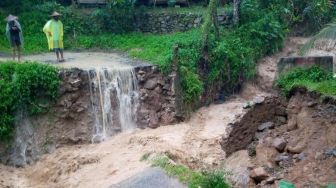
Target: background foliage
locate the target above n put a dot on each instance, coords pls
(229, 59)
(24, 86)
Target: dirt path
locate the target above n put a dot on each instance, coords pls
(194, 143)
(84, 60)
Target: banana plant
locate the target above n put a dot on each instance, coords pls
(326, 39)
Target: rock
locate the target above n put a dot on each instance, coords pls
(270, 180)
(76, 83)
(150, 84)
(247, 105)
(259, 135)
(311, 104)
(318, 156)
(239, 164)
(80, 109)
(281, 111)
(141, 72)
(258, 100)
(97, 139)
(267, 125)
(279, 144)
(297, 149)
(259, 174)
(153, 121)
(281, 157)
(329, 153)
(300, 156)
(265, 154)
(281, 120)
(292, 124)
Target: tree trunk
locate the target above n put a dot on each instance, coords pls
(236, 11)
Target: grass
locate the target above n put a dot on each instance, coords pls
(194, 179)
(313, 79)
(149, 47)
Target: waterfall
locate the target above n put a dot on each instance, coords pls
(114, 101)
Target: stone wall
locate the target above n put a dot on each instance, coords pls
(71, 119)
(157, 98)
(287, 63)
(172, 22)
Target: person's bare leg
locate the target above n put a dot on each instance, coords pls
(57, 55)
(62, 58)
(14, 53)
(19, 53)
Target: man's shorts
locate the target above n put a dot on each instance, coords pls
(15, 42)
(58, 50)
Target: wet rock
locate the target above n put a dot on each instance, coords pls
(292, 124)
(269, 181)
(252, 149)
(329, 153)
(279, 144)
(259, 135)
(267, 125)
(281, 157)
(265, 154)
(318, 156)
(97, 139)
(311, 104)
(76, 83)
(258, 100)
(299, 157)
(150, 84)
(153, 121)
(281, 120)
(259, 174)
(295, 150)
(284, 160)
(239, 164)
(247, 105)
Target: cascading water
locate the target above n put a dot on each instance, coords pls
(114, 99)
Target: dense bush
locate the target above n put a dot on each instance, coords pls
(116, 17)
(27, 86)
(313, 78)
(306, 15)
(228, 60)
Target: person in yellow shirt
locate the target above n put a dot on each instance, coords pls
(54, 32)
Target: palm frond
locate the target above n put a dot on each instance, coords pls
(327, 36)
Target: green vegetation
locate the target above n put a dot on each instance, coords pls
(194, 179)
(29, 86)
(228, 58)
(314, 79)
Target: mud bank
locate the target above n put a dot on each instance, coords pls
(90, 111)
(292, 140)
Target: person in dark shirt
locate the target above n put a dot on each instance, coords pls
(14, 35)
